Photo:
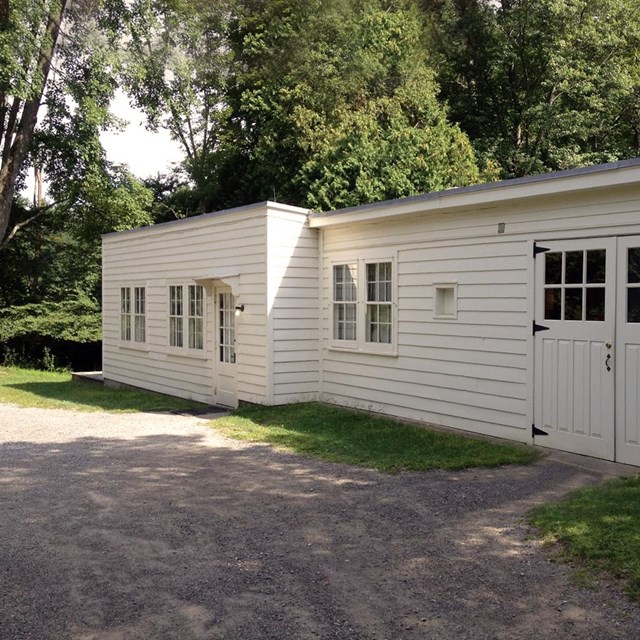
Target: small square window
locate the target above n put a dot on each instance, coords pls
(445, 301)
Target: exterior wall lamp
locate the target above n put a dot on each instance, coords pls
(239, 309)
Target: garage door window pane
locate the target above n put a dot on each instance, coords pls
(595, 304)
(633, 304)
(633, 265)
(573, 304)
(553, 268)
(596, 265)
(552, 304)
(573, 267)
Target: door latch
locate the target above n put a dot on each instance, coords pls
(606, 361)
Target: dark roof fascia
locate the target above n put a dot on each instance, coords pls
(479, 188)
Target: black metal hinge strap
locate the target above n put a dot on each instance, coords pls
(538, 249)
(537, 432)
(538, 327)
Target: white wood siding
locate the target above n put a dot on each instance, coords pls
(292, 307)
(474, 372)
(181, 252)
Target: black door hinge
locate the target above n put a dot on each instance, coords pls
(537, 432)
(538, 327)
(538, 249)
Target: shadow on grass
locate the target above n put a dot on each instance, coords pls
(340, 435)
(90, 396)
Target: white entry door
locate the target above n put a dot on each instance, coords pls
(226, 384)
(574, 335)
(628, 352)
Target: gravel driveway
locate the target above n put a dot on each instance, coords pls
(139, 526)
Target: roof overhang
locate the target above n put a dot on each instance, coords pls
(625, 172)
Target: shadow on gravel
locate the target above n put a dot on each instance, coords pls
(165, 537)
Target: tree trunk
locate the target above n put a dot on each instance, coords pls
(18, 148)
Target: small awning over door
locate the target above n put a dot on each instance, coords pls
(230, 277)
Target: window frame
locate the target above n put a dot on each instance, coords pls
(361, 344)
(193, 318)
(125, 314)
(344, 342)
(139, 315)
(176, 319)
(129, 341)
(185, 349)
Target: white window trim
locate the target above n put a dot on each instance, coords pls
(349, 345)
(360, 345)
(445, 285)
(132, 344)
(185, 350)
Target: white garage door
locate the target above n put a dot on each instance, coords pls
(587, 346)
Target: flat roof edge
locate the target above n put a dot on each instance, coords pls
(161, 226)
(481, 193)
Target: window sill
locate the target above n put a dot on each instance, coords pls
(134, 346)
(185, 352)
(370, 352)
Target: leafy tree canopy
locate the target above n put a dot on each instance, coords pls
(542, 85)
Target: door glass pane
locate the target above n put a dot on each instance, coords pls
(595, 304)
(633, 304)
(633, 265)
(552, 304)
(596, 265)
(573, 304)
(573, 267)
(553, 268)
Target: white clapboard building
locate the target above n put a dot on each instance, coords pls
(510, 309)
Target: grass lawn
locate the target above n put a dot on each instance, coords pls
(339, 435)
(46, 389)
(599, 529)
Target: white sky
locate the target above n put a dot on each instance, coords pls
(145, 152)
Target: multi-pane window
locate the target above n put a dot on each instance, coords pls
(186, 316)
(226, 326)
(196, 317)
(176, 320)
(362, 305)
(125, 313)
(344, 302)
(132, 314)
(378, 319)
(574, 285)
(139, 314)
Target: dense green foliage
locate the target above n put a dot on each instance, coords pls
(75, 319)
(599, 528)
(56, 390)
(340, 435)
(541, 85)
(334, 104)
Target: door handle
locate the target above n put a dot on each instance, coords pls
(607, 360)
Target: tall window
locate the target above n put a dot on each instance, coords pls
(226, 323)
(379, 300)
(186, 316)
(132, 314)
(196, 317)
(139, 314)
(176, 312)
(125, 313)
(344, 301)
